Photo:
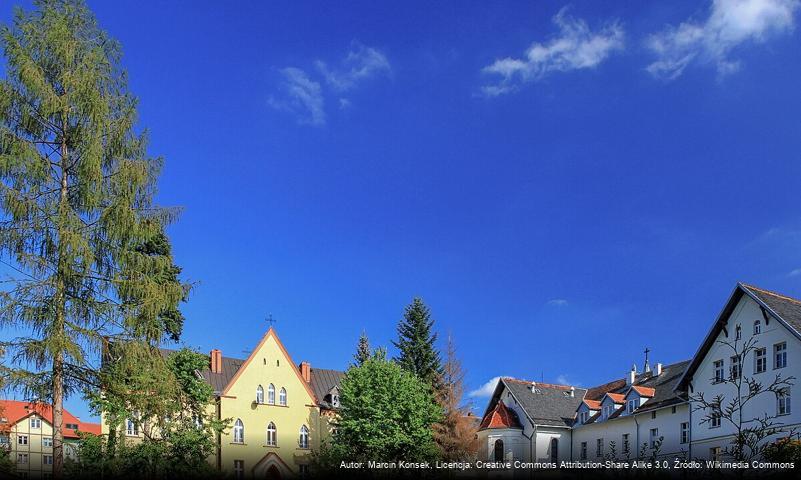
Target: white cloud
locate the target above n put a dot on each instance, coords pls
(557, 302)
(302, 97)
(485, 390)
(576, 47)
(730, 24)
(794, 273)
(564, 380)
(361, 63)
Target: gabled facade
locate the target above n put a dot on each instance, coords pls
(27, 432)
(280, 412)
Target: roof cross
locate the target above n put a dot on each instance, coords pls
(270, 320)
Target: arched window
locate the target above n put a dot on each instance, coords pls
(282, 396)
(259, 395)
(271, 435)
(271, 394)
(554, 450)
(499, 450)
(738, 332)
(303, 441)
(757, 327)
(239, 431)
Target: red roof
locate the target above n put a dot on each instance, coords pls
(616, 397)
(15, 411)
(500, 417)
(644, 391)
(593, 404)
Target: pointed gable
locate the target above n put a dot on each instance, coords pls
(500, 417)
(646, 392)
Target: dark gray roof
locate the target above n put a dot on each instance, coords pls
(218, 381)
(550, 406)
(322, 381)
(789, 309)
(663, 385)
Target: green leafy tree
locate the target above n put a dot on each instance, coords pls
(386, 414)
(416, 343)
(362, 350)
(83, 242)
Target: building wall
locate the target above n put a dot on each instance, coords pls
(36, 467)
(745, 313)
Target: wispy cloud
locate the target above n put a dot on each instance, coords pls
(301, 96)
(485, 390)
(565, 380)
(576, 47)
(303, 93)
(794, 273)
(730, 23)
(361, 63)
(557, 302)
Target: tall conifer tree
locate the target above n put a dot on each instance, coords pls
(362, 350)
(416, 343)
(79, 233)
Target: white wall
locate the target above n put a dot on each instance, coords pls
(745, 313)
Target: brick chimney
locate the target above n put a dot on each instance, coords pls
(305, 371)
(216, 361)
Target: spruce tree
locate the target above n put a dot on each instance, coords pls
(79, 232)
(362, 350)
(416, 340)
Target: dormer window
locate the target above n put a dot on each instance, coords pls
(584, 416)
(259, 395)
(632, 405)
(607, 411)
(335, 400)
(757, 327)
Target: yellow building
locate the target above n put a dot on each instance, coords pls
(279, 411)
(27, 431)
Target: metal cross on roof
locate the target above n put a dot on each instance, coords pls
(270, 320)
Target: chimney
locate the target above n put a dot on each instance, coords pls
(632, 375)
(658, 370)
(305, 371)
(216, 361)
(572, 392)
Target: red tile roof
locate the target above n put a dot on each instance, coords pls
(597, 393)
(644, 391)
(616, 397)
(593, 404)
(500, 417)
(15, 411)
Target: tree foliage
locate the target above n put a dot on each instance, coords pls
(84, 244)
(386, 414)
(362, 350)
(455, 434)
(416, 343)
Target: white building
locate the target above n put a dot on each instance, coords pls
(656, 413)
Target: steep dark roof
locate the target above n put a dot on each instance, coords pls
(663, 385)
(551, 405)
(785, 309)
(322, 381)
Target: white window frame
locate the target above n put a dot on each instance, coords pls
(714, 420)
(303, 437)
(735, 367)
(22, 439)
(684, 436)
(131, 428)
(239, 431)
(22, 459)
(654, 434)
(259, 395)
(738, 332)
(584, 416)
(760, 360)
(36, 423)
(272, 435)
(47, 459)
(282, 397)
(779, 355)
(271, 394)
(47, 442)
(783, 402)
(757, 327)
(719, 371)
(631, 405)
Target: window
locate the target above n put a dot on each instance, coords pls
(4, 440)
(783, 402)
(685, 432)
(780, 355)
(259, 395)
(239, 469)
(760, 360)
(303, 441)
(632, 405)
(47, 459)
(239, 431)
(303, 469)
(607, 411)
(282, 396)
(714, 420)
(71, 426)
(498, 450)
(738, 332)
(653, 415)
(335, 400)
(736, 369)
(47, 442)
(654, 437)
(584, 416)
(757, 327)
(22, 439)
(715, 453)
(583, 450)
(271, 435)
(554, 450)
(718, 371)
(36, 422)
(131, 428)
(625, 444)
(22, 458)
(599, 447)
(271, 394)
(197, 420)
(673, 409)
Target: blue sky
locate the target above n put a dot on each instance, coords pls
(563, 183)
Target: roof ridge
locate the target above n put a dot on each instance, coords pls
(543, 384)
(770, 292)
